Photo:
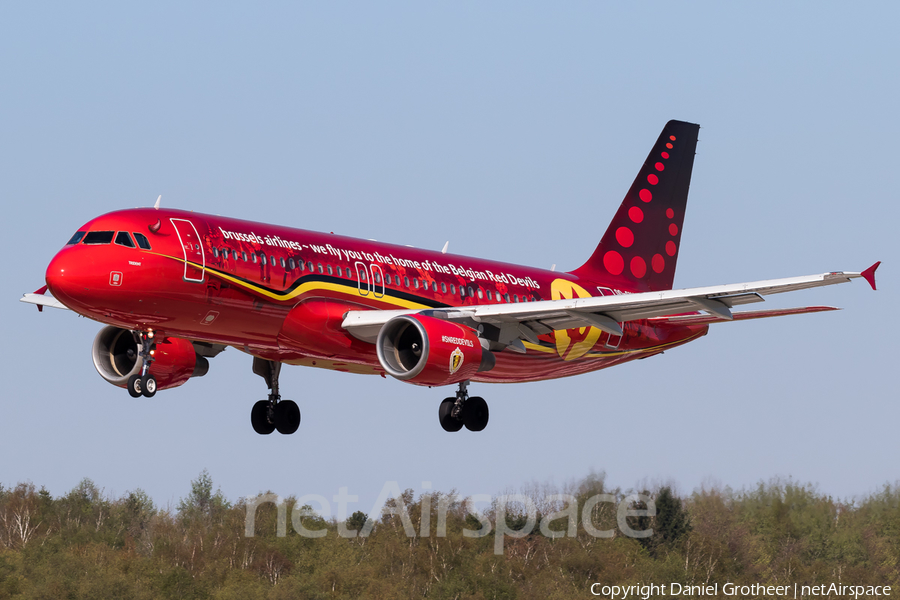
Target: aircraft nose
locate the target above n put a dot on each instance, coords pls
(61, 278)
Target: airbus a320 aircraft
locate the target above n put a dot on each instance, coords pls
(175, 288)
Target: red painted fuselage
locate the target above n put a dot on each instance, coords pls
(281, 293)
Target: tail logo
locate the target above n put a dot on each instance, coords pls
(572, 343)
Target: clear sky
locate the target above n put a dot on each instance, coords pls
(513, 130)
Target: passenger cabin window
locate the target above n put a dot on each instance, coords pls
(75, 238)
(283, 264)
(406, 281)
(253, 257)
(480, 294)
(488, 292)
(416, 282)
(262, 259)
(215, 253)
(244, 256)
(291, 264)
(443, 288)
(311, 267)
(330, 270)
(321, 270)
(123, 239)
(452, 288)
(99, 237)
(471, 293)
(506, 296)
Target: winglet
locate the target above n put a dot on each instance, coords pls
(869, 274)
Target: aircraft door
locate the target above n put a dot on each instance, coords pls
(377, 283)
(362, 278)
(191, 246)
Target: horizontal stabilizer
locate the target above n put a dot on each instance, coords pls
(699, 319)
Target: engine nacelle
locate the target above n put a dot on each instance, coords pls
(428, 351)
(116, 357)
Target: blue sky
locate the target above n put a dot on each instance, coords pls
(512, 130)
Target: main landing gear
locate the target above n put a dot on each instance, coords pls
(145, 383)
(462, 410)
(274, 413)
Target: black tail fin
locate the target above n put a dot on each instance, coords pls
(639, 250)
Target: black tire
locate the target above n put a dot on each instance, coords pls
(134, 386)
(259, 418)
(448, 423)
(475, 414)
(287, 417)
(148, 385)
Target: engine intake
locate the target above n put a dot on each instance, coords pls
(116, 357)
(428, 351)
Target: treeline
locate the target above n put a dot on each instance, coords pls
(86, 545)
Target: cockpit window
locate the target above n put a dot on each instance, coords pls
(142, 241)
(99, 237)
(76, 238)
(123, 239)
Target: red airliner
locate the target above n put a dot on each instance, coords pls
(175, 288)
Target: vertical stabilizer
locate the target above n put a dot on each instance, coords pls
(639, 250)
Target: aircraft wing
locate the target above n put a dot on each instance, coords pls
(41, 298)
(527, 320)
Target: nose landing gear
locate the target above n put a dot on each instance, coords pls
(268, 415)
(453, 413)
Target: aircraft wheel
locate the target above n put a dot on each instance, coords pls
(259, 418)
(134, 386)
(448, 423)
(148, 385)
(475, 414)
(287, 417)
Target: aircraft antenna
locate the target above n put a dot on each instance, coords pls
(156, 206)
(446, 245)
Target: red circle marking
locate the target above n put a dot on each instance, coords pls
(635, 214)
(658, 263)
(613, 262)
(665, 155)
(660, 166)
(653, 179)
(669, 146)
(671, 248)
(638, 267)
(670, 213)
(624, 237)
(673, 228)
(645, 195)
(672, 137)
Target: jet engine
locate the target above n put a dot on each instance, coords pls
(116, 356)
(429, 351)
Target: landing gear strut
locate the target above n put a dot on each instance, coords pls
(274, 413)
(453, 413)
(145, 383)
